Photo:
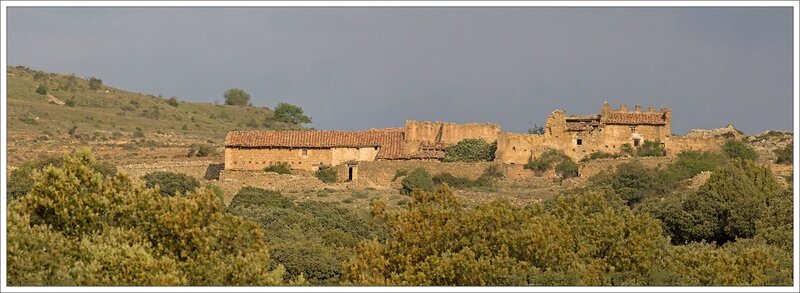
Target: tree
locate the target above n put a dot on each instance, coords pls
(289, 113)
(238, 97)
(95, 83)
(470, 150)
(651, 149)
(785, 154)
(173, 101)
(327, 175)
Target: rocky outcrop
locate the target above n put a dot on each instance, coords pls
(725, 132)
(53, 100)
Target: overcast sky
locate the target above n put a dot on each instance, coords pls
(360, 68)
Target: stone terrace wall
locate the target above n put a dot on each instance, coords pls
(587, 169)
(382, 172)
(233, 180)
(197, 169)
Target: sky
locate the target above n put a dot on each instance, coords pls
(361, 68)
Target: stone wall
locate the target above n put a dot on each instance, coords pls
(587, 169)
(451, 133)
(298, 158)
(382, 172)
(676, 144)
(198, 169)
(233, 180)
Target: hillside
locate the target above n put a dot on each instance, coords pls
(74, 113)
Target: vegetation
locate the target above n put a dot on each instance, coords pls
(739, 150)
(565, 167)
(237, 97)
(21, 180)
(470, 150)
(536, 129)
(418, 178)
(312, 239)
(291, 114)
(785, 154)
(95, 83)
(280, 168)
(459, 182)
(201, 150)
(41, 89)
(600, 155)
(327, 175)
(651, 149)
(79, 227)
(171, 183)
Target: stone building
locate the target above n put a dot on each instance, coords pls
(309, 150)
(580, 135)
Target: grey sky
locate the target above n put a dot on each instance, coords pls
(359, 68)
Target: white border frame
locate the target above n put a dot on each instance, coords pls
(3, 140)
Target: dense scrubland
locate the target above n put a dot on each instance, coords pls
(76, 221)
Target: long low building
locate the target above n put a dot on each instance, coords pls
(309, 150)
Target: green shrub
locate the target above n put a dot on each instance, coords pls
(201, 150)
(327, 175)
(599, 155)
(651, 149)
(70, 103)
(399, 173)
(739, 150)
(470, 150)
(20, 180)
(626, 149)
(172, 102)
(236, 97)
(42, 89)
(632, 181)
(419, 178)
(138, 132)
(493, 172)
(280, 168)
(171, 183)
(545, 162)
(785, 154)
(567, 169)
(95, 83)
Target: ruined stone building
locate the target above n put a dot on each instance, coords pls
(576, 135)
(580, 135)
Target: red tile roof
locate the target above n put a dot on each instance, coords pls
(390, 140)
(634, 118)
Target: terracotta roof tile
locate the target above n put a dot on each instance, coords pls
(390, 140)
(634, 118)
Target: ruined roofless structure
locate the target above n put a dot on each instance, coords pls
(576, 135)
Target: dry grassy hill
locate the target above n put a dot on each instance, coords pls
(53, 113)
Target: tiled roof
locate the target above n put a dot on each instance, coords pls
(390, 140)
(634, 118)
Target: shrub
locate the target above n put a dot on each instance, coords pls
(785, 154)
(138, 132)
(70, 103)
(470, 150)
(493, 172)
(281, 168)
(739, 150)
(173, 102)
(567, 169)
(419, 178)
(171, 183)
(95, 83)
(626, 149)
(237, 97)
(599, 155)
(632, 181)
(327, 175)
(42, 89)
(201, 150)
(547, 159)
(399, 173)
(651, 149)
(20, 180)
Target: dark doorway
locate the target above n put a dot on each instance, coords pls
(636, 142)
(349, 173)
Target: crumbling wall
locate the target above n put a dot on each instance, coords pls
(451, 133)
(677, 144)
(517, 148)
(196, 169)
(587, 169)
(383, 172)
